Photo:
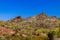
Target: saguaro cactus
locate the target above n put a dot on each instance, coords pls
(51, 35)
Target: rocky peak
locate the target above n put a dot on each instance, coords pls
(54, 17)
(41, 16)
(18, 17)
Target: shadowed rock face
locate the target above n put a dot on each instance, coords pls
(54, 17)
(16, 19)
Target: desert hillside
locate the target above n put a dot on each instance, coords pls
(37, 27)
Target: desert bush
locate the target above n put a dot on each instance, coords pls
(41, 37)
(1, 38)
(56, 32)
(38, 31)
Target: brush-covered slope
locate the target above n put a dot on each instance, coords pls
(38, 21)
(31, 28)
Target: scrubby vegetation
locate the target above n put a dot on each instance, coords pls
(40, 27)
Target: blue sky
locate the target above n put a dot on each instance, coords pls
(25, 8)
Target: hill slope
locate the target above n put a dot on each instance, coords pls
(41, 20)
(38, 26)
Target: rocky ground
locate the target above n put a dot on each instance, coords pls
(57, 38)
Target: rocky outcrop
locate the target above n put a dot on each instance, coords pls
(16, 19)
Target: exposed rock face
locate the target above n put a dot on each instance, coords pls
(4, 30)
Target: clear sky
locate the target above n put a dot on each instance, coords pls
(25, 8)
